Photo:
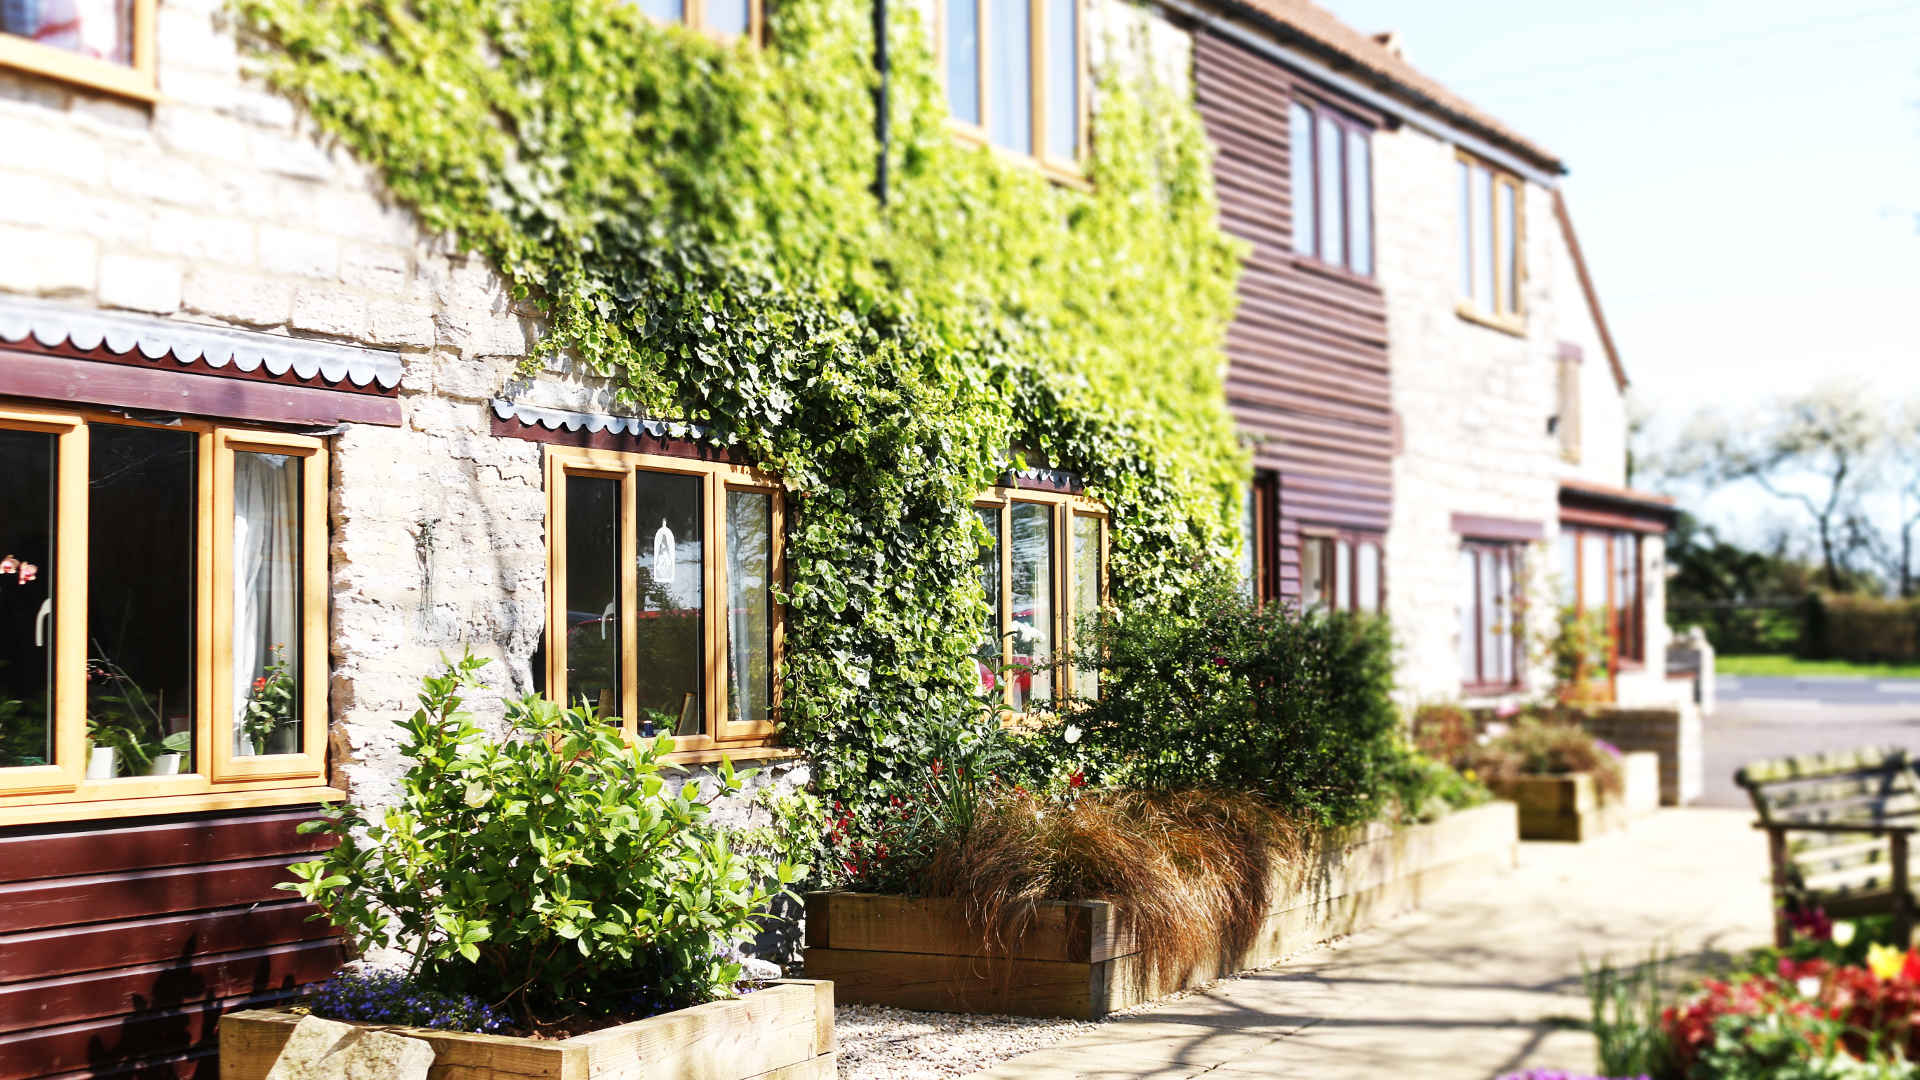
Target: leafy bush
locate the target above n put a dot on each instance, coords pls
(1293, 708)
(1423, 789)
(1444, 732)
(1533, 748)
(555, 871)
(390, 997)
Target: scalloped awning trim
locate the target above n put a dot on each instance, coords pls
(594, 423)
(54, 325)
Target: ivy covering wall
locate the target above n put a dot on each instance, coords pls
(697, 222)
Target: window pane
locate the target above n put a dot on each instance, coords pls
(670, 10)
(749, 606)
(1492, 617)
(592, 595)
(963, 60)
(102, 29)
(672, 603)
(1566, 566)
(1332, 246)
(1313, 574)
(1032, 604)
(1509, 257)
(1483, 237)
(1466, 230)
(1249, 539)
(1469, 615)
(1342, 576)
(987, 657)
(1300, 168)
(1359, 204)
(728, 16)
(1063, 78)
(26, 598)
(140, 631)
(1593, 571)
(266, 604)
(1506, 628)
(1086, 597)
(1367, 577)
(1626, 569)
(1010, 74)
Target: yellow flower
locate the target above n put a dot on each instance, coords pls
(1470, 775)
(1885, 961)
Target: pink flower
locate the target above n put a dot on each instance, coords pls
(9, 564)
(28, 572)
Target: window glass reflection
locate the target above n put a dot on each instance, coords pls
(1010, 71)
(749, 606)
(593, 594)
(99, 29)
(1033, 604)
(26, 598)
(671, 608)
(266, 603)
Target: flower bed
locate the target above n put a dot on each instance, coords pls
(1573, 807)
(783, 1030)
(1078, 959)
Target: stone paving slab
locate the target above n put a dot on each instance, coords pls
(1484, 981)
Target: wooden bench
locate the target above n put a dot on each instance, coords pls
(1838, 829)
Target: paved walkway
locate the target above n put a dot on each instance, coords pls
(1483, 982)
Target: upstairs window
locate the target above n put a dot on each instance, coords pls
(105, 44)
(1492, 237)
(1015, 74)
(721, 18)
(1044, 569)
(661, 581)
(1332, 183)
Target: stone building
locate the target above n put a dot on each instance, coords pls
(270, 455)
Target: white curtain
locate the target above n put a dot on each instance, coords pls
(266, 561)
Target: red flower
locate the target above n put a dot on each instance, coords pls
(28, 572)
(9, 564)
(935, 767)
(1077, 780)
(259, 684)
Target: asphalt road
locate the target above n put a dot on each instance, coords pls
(1774, 717)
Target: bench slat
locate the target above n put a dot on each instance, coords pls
(1803, 766)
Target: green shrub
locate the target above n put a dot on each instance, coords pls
(1424, 789)
(1293, 708)
(555, 871)
(1533, 748)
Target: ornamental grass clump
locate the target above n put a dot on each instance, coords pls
(1536, 748)
(553, 874)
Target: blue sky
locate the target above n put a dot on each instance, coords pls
(1745, 176)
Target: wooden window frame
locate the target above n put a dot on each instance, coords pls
(1625, 616)
(1071, 173)
(1063, 507)
(1500, 315)
(1514, 554)
(1352, 540)
(1261, 588)
(135, 80)
(719, 736)
(694, 17)
(1316, 111)
(221, 779)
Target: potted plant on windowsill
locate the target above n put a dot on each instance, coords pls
(556, 878)
(267, 719)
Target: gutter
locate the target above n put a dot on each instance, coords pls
(1420, 112)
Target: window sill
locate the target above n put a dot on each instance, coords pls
(749, 752)
(101, 809)
(1515, 325)
(1311, 265)
(85, 72)
(1491, 689)
(1065, 175)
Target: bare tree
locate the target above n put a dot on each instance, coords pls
(1895, 552)
(1819, 450)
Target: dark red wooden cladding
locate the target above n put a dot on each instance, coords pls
(1308, 374)
(122, 942)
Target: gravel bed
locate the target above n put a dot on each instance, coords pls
(880, 1043)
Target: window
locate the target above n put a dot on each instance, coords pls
(1491, 625)
(661, 608)
(106, 44)
(1332, 188)
(1341, 572)
(1599, 570)
(1044, 571)
(1015, 75)
(163, 608)
(1254, 538)
(722, 18)
(1492, 231)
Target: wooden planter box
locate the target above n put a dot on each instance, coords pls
(783, 1031)
(1569, 807)
(1076, 959)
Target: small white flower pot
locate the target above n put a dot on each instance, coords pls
(100, 763)
(164, 765)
